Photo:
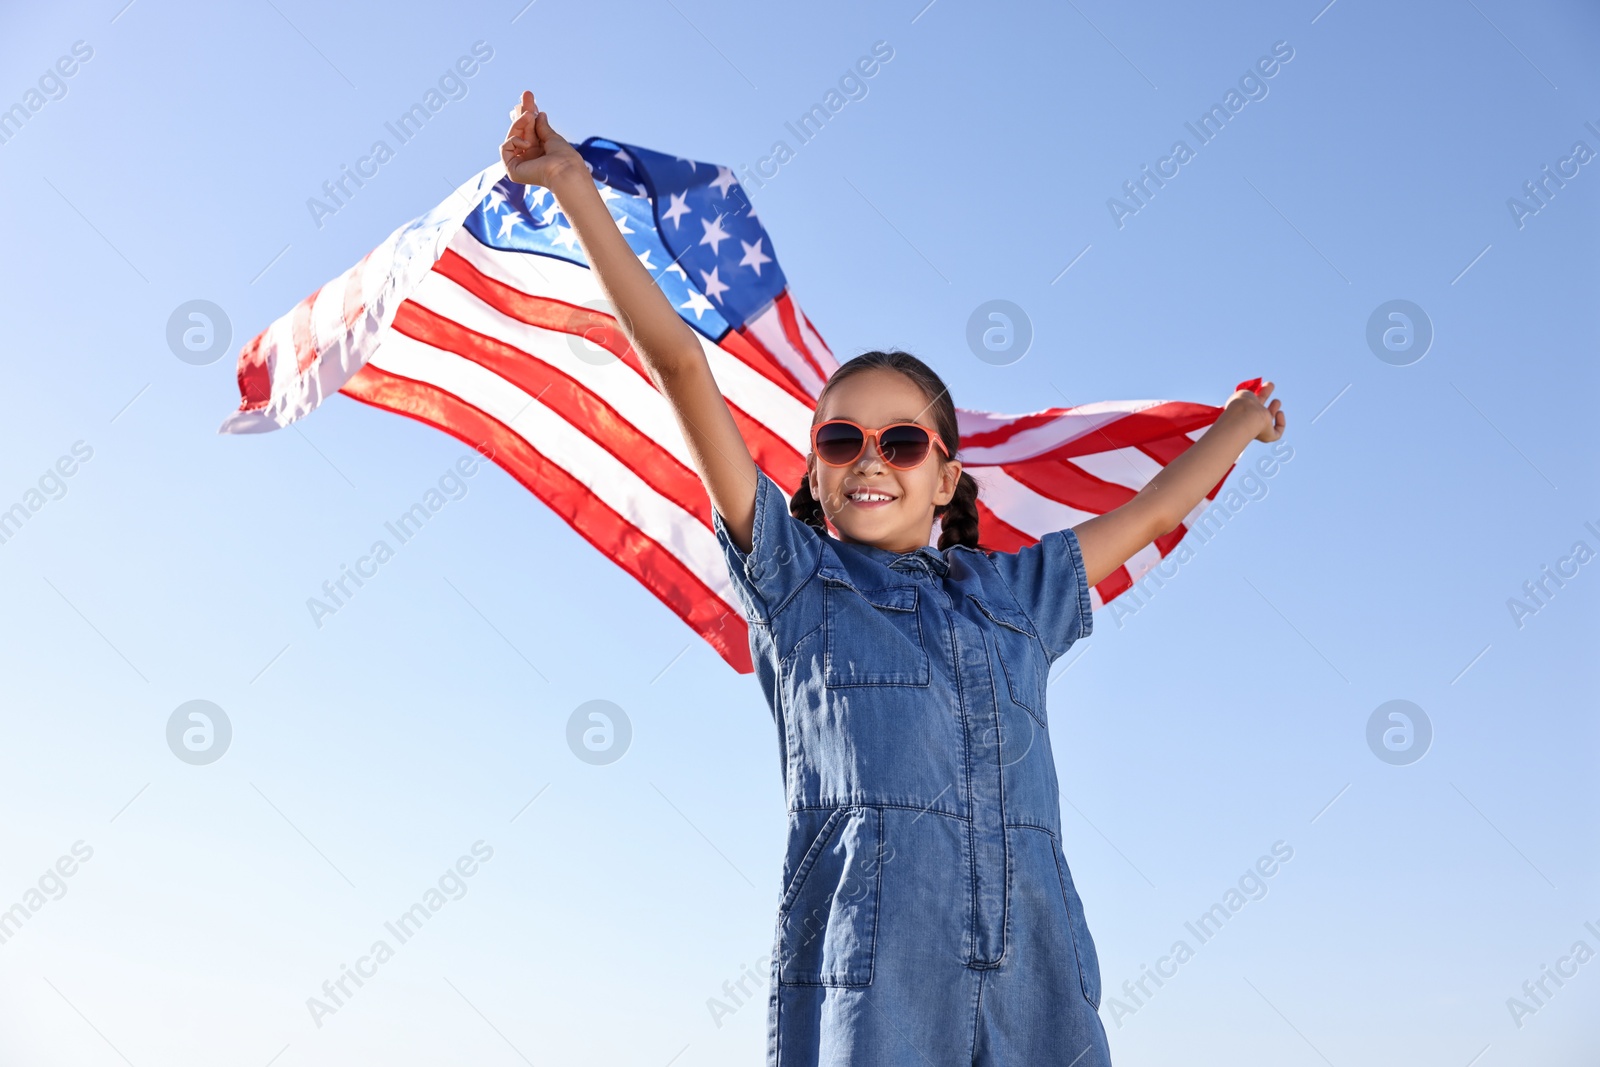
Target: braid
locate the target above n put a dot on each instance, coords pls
(958, 520)
(807, 508)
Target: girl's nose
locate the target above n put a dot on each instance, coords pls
(870, 456)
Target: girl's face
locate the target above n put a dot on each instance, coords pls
(904, 523)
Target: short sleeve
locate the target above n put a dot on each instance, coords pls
(1050, 582)
(784, 553)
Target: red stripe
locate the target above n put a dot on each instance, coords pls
(1151, 424)
(1114, 585)
(791, 330)
(1169, 540)
(1166, 449)
(814, 332)
(553, 314)
(567, 397)
(255, 380)
(647, 561)
(1162, 420)
(998, 535)
(543, 311)
(772, 453)
(1067, 483)
(1003, 434)
(748, 349)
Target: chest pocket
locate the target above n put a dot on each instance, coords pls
(1022, 658)
(871, 636)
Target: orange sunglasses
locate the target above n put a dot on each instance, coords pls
(903, 445)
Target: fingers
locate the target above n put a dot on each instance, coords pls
(523, 129)
(525, 106)
(547, 131)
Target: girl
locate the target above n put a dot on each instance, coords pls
(928, 914)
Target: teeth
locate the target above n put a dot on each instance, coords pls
(868, 495)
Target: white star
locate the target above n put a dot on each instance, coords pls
(644, 258)
(693, 166)
(622, 154)
(622, 223)
(679, 271)
(508, 222)
(568, 238)
(753, 256)
(551, 212)
(697, 304)
(714, 286)
(715, 234)
(497, 199)
(677, 210)
(608, 194)
(724, 179)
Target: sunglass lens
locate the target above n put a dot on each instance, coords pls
(905, 446)
(838, 443)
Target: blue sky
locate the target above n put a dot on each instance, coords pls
(1230, 713)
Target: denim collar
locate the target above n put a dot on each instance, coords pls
(927, 553)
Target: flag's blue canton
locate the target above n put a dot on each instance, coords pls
(519, 218)
(715, 264)
(707, 223)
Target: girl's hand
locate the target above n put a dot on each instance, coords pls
(1266, 419)
(535, 154)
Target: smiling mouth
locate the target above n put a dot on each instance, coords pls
(869, 497)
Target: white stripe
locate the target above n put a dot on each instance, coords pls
(1038, 440)
(545, 277)
(1127, 467)
(1021, 507)
(819, 348)
(566, 446)
(633, 398)
(1191, 521)
(327, 316)
(277, 347)
(1141, 561)
(767, 328)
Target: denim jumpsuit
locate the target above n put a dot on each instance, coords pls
(928, 917)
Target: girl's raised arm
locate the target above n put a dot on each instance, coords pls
(1110, 540)
(534, 154)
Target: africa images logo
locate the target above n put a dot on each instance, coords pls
(1211, 122)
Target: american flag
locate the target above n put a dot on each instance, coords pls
(474, 319)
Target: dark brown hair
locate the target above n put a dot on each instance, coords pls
(958, 520)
